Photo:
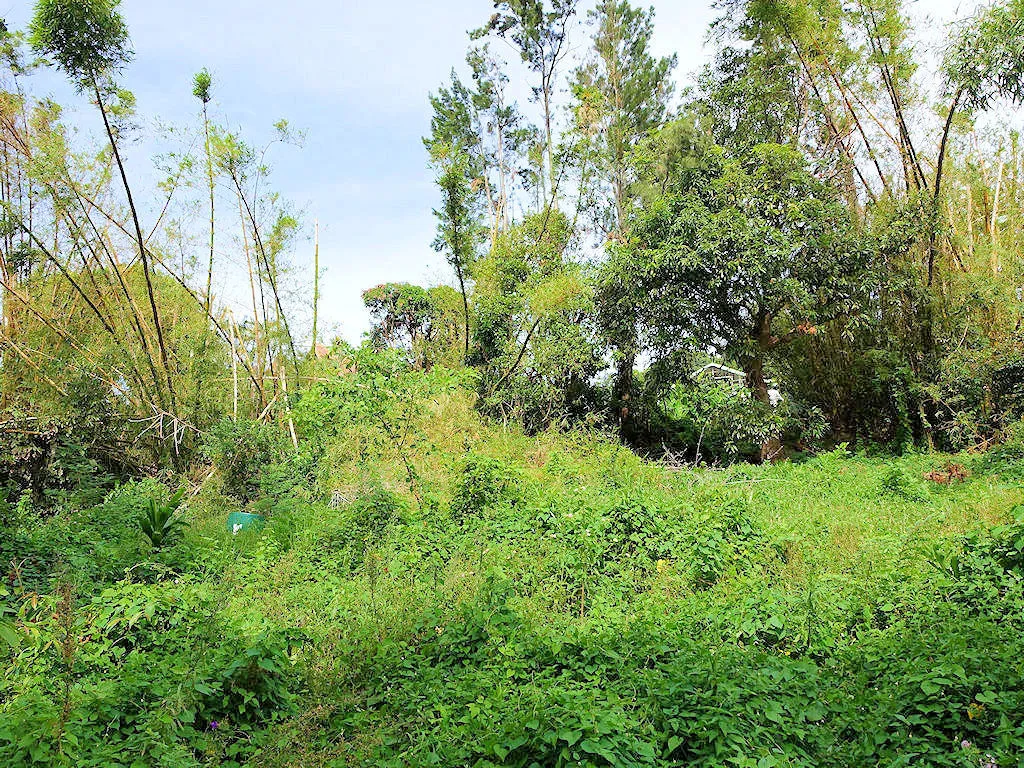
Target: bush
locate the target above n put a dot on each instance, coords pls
(896, 484)
(1007, 457)
(241, 450)
(711, 421)
(150, 670)
(482, 482)
(360, 527)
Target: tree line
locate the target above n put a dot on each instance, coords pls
(815, 209)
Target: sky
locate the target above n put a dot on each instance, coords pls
(354, 76)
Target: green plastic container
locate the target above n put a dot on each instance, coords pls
(243, 521)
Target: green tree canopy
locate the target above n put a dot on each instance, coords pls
(85, 38)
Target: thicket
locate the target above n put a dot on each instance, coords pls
(815, 212)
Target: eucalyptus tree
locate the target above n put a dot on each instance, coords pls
(505, 132)
(539, 31)
(88, 41)
(629, 89)
(478, 117)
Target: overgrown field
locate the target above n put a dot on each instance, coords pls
(430, 589)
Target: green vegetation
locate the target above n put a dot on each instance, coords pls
(710, 454)
(471, 595)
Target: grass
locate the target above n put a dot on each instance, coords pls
(475, 596)
(584, 548)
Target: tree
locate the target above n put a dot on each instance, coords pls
(504, 134)
(88, 40)
(423, 322)
(201, 85)
(985, 62)
(744, 255)
(457, 224)
(627, 89)
(631, 89)
(480, 122)
(533, 311)
(540, 34)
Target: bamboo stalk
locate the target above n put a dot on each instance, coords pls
(316, 281)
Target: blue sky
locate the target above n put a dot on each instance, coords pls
(355, 77)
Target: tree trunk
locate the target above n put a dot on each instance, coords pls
(771, 448)
(622, 392)
(316, 283)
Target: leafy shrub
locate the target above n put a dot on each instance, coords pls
(1007, 457)
(247, 685)
(715, 421)
(482, 482)
(374, 509)
(151, 670)
(632, 528)
(724, 537)
(361, 526)
(241, 450)
(896, 485)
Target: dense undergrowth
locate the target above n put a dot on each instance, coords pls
(431, 589)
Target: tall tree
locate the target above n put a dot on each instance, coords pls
(625, 91)
(483, 124)
(88, 40)
(504, 134)
(541, 35)
(457, 224)
(201, 85)
(984, 63)
(631, 89)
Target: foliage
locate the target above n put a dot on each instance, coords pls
(713, 421)
(159, 524)
(449, 574)
(86, 38)
(241, 450)
(483, 481)
(622, 96)
(424, 322)
(153, 664)
(459, 565)
(531, 336)
(984, 61)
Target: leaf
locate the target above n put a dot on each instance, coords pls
(569, 735)
(9, 634)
